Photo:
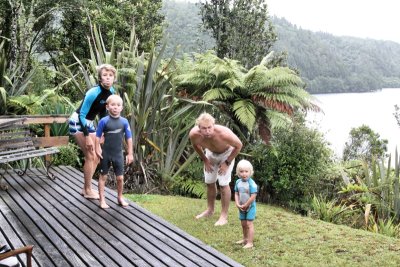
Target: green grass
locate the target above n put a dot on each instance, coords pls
(281, 237)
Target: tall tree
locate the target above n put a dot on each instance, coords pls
(258, 99)
(242, 29)
(114, 18)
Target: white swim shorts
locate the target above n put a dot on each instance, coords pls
(216, 159)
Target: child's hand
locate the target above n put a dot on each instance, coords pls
(99, 152)
(129, 159)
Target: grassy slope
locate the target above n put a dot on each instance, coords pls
(281, 238)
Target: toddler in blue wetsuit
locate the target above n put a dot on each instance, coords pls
(245, 200)
(115, 128)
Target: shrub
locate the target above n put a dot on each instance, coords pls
(294, 168)
(68, 156)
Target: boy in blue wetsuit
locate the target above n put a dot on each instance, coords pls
(115, 128)
(81, 123)
(245, 200)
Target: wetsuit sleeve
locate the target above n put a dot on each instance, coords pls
(100, 127)
(127, 129)
(253, 187)
(236, 186)
(86, 105)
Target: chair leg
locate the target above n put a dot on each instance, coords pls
(48, 167)
(22, 173)
(3, 186)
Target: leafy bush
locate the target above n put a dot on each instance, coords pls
(294, 168)
(68, 156)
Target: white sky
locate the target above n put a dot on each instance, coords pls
(359, 18)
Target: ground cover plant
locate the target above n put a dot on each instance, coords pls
(282, 238)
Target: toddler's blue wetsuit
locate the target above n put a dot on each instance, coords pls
(114, 130)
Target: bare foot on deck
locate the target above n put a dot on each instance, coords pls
(92, 195)
(205, 213)
(221, 221)
(104, 205)
(123, 203)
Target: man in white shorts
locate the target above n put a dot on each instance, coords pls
(217, 146)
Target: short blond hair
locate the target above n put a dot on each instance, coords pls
(108, 67)
(205, 117)
(115, 98)
(244, 164)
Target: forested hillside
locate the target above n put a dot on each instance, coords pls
(327, 63)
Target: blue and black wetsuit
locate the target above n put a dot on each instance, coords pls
(93, 104)
(114, 130)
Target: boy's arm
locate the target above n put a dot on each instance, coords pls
(97, 148)
(237, 199)
(250, 200)
(129, 156)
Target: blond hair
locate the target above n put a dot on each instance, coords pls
(205, 117)
(108, 67)
(244, 164)
(115, 98)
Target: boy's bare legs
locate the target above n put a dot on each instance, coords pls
(211, 195)
(244, 229)
(120, 189)
(102, 182)
(89, 167)
(249, 234)
(225, 199)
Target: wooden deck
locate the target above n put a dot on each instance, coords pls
(68, 230)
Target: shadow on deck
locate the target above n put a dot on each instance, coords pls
(69, 230)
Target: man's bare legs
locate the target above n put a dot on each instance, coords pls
(89, 167)
(211, 195)
(120, 188)
(225, 200)
(102, 182)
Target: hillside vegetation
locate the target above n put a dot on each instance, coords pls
(327, 63)
(281, 237)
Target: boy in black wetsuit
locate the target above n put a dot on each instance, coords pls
(114, 128)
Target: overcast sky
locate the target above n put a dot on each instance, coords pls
(359, 18)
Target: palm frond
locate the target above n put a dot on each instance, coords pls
(245, 112)
(218, 94)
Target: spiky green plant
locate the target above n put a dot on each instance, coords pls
(329, 210)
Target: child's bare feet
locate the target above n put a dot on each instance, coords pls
(241, 242)
(248, 245)
(123, 203)
(205, 213)
(104, 205)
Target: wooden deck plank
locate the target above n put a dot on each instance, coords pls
(6, 227)
(181, 241)
(145, 241)
(90, 218)
(79, 231)
(69, 230)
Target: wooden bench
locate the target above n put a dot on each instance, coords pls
(16, 144)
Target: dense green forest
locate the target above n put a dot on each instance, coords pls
(327, 63)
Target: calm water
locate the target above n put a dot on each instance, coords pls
(342, 112)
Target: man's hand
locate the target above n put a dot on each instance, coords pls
(99, 152)
(207, 166)
(223, 168)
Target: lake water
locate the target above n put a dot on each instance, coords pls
(342, 112)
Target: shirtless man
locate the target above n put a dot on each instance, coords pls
(217, 146)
